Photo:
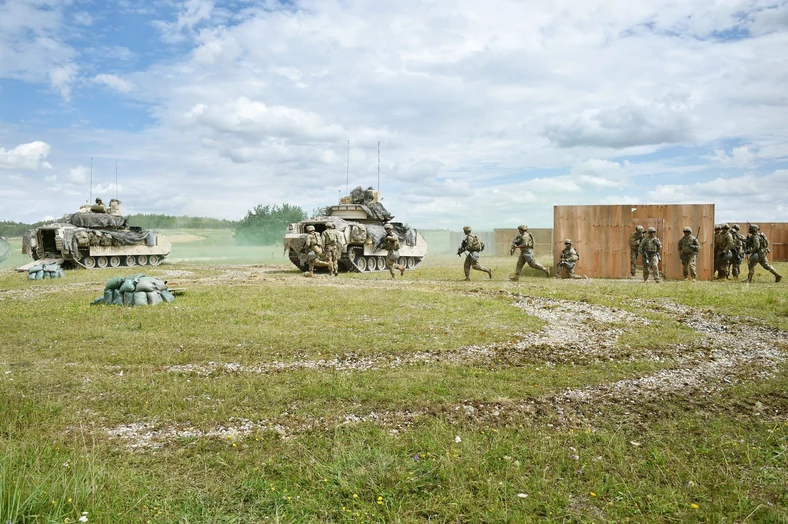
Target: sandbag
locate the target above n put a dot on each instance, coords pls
(145, 285)
(51, 267)
(98, 301)
(108, 296)
(35, 269)
(61, 273)
(153, 298)
(31, 276)
(166, 295)
(39, 274)
(117, 298)
(128, 285)
(140, 298)
(46, 274)
(128, 298)
(114, 283)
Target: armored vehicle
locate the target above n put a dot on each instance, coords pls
(359, 218)
(5, 249)
(96, 237)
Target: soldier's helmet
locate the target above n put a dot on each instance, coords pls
(466, 229)
(717, 227)
(388, 226)
(522, 228)
(330, 225)
(639, 229)
(309, 229)
(753, 228)
(568, 241)
(652, 230)
(98, 201)
(726, 226)
(735, 227)
(687, 230)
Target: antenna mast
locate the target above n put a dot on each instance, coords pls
(116, 179)
(378, 165)
(347, 171)
(90, 198)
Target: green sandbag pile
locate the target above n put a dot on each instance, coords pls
(42, 271)
(136, 290)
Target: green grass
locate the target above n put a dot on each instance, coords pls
(272, 397)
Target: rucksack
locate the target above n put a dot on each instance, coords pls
(764, 240)
(475, 244)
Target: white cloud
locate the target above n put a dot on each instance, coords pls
(61, 78)
(78, 175)
(26, 156)
(192, 12)
(114, 81)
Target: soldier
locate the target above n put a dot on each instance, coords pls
(98, 207)
(689, 247)
(651, 248)
(717, 233)
(313, 249)
(525, 242)
(391, 244)
(758, 249)
(738, 251)
(634, 249)
(723, 243)
(473, 246)
(569, 258)
(331, 242)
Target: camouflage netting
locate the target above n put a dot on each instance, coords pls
(42, 271)
(96, 220)
(365, 197)
(136, 290)
(5, 249)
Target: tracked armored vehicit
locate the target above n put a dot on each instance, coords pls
(359, 218)
(96, 237)
(5, 249)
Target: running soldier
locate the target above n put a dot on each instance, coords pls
(391, 244)
(569, 258)
(758, 249)
(634, 249)
(313, 248)
(739, 242)
(651, 248)
(331, 243)
(473, 246)
(525, 243)
(689, 247)
(723, 244)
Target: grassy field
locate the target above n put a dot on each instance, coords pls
(263, 396)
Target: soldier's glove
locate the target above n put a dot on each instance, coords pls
(511, 251)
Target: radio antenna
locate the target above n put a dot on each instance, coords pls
(90, 198)
(378, 165)
(347, 169)
(116, 179)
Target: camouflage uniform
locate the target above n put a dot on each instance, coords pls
(525, 242)
(634, 249)
(723, 244)
(569, 258)
(758, 251)
(738, 251)
(473, 246)
(689, 247)
(313, 248)
(331, 242)
(651, 247)
(391, 244)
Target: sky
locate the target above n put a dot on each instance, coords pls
(460, 112)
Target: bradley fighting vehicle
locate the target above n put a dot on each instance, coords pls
(359, 218)
(96, 237)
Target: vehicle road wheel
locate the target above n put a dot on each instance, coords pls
(101, 262)
(153, 260)
(89, 262)
(411, 262)
(131, 261)
(142, 260)
(114, 261)
(372, 263)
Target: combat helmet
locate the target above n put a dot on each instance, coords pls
(753, 228)
(687, 230)
(639, 229)
(310, 228)
(330, 225)
(388, 226)
(717, 227)
(652, 230)
(726, 226)
(466, 229)
(522, 227)
(568, 241)
(735, 227)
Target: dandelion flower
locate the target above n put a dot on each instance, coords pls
(355, 495)
(695, 506)
(457, 439)
(593, 494)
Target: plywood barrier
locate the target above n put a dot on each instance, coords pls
(776, 232)
(543, 241)
(600, 234)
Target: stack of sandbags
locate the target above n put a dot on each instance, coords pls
(136, 290)
(41, 271)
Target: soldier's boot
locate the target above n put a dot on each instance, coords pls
(546, 272)
(393, 276)
(489, 273)
(401, 270)
(777, 276)
(516, 277)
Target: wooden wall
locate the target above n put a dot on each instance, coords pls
(543, 241)
(600, 234)
(776, 232)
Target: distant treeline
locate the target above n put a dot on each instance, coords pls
(16, 229)
(181, 222)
